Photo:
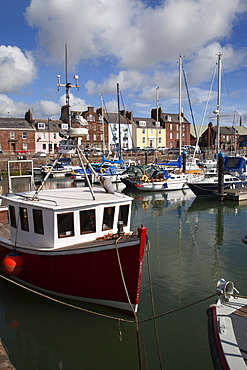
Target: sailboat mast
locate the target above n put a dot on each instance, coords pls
(103, 122)
(218, 104)
(157, 120)
(67, 85)
(119, 126)
(180, 104)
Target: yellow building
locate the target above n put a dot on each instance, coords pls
(147, 132)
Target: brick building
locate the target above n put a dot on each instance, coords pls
(170, 122)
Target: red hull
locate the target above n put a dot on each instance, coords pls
(90, 274)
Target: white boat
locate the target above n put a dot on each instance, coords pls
(227, 328)
(74, 243)
(173, 182)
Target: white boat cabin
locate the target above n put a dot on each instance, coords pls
(60, 218)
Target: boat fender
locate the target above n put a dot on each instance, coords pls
(12, 264)
(102, 170)
(145, 178)
(145, 205)
(107, 184)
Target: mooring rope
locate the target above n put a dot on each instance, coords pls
(177, 309)
(104, 315)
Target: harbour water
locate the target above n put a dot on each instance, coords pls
(193, 243)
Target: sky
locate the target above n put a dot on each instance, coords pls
(133, 43)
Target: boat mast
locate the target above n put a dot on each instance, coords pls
(217, 111)
(157, 120)
(103, 122)
(180, 103)
(67, 85)
(119, 126)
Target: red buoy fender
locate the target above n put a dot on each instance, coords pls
(12, 264)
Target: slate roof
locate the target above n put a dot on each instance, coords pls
(113, 118)
(11, 123)
(172, 117)
(150, 122)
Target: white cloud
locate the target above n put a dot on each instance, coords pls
(16, 68)
(75, 103)
(40, 109)
(137, 36)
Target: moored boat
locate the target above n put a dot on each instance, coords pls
(74, 245)
(227, 328)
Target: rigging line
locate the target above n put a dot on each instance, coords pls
(153, 308)
(178, 309)
(188, 95)
(64, 303)
(131, 306)
(122, 99)
(206, 106)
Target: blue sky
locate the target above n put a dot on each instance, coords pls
(131, 42)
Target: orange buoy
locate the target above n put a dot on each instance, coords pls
(12, 264)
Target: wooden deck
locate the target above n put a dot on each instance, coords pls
(238, 194)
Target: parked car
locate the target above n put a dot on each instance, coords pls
(162, 148)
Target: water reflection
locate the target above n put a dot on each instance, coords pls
(194, 242)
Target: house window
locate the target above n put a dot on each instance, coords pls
(24, 219)
(54, 136)
(94, 127)
(177, 135)
(170, 127)
(44, 146)
(124, 214)
(160, 140)
(143, 140)
(12, 135)
(65, 224)
(41, 126)
(24, 135)
(108, 218)
(38, 221)
(91, 118)
(87, 221)
(94, 137)
(170, 135)
(159, 132)
(151, 132)
(43, 136)
(101, 137)
(25, 146)
(87, 137)
(142, 123)
(143, 131)
(12, 216)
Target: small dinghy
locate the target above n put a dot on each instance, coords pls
(227, 328)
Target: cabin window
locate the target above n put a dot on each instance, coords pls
(38, 221)
(12, 216)
(108, 218)
(124, 214)
(24, 219)
(65, 224)
(87, 221)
